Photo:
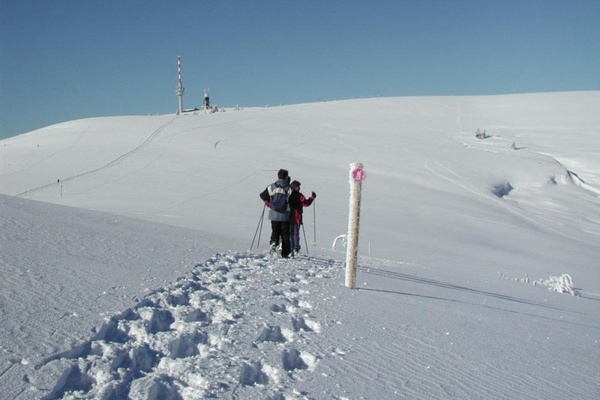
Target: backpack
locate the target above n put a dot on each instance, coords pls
(279, 198)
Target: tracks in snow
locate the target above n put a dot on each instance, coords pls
(238, 326)
(152, 138)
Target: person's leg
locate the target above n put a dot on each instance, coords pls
(275, 233)
(285, 240)
(295, 236)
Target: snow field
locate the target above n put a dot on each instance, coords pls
(452, 226)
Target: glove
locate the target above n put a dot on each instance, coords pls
(268, 204)
(314, 195)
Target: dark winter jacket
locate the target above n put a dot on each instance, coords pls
(297, 202)
(277, 187)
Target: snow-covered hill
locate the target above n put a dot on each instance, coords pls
(144, 287)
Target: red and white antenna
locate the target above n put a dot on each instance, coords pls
(180, 90)
(179, 69)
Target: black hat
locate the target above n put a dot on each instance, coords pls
(282, 174)
(295, 184)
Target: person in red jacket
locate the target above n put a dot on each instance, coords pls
(297, 202)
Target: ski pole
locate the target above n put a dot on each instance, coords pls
(262, 220)
(304, 234)
(259, 226)
(314, 223)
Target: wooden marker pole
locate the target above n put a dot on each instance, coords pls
(357, 175)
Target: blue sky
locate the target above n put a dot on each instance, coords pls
(62, 60)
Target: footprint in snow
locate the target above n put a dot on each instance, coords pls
(303, 324)
(292, 360)
(278, 308)
(252, 374)
(271, 334)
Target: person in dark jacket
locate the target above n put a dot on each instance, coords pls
(276, 197)
(297, 203)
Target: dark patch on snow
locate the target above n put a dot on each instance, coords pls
(143, 359)
(145, 303)
(160, 321)
(300, 324)
(209, 296)
(81, 350)
(252, 374)
(291, 360)
(177, 299)
(278, 308)
(222, 268)
(502, 189)
(195, 315)
(186, 345)
(111, 333)
(574, 177)
(271, 334)
(76, 381)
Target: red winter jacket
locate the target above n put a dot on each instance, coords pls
(297, 201)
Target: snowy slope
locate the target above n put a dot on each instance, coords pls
(170, 304)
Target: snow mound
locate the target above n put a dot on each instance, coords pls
(560, 284)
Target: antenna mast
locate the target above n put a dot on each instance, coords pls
(180, 89)
(206, 103)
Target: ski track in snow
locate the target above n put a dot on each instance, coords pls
(151, 138)
(203, 336)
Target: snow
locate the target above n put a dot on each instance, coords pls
(126, 273)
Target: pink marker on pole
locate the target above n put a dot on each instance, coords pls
(358, 174)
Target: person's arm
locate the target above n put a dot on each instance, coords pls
(264, 195)
(307, 202)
